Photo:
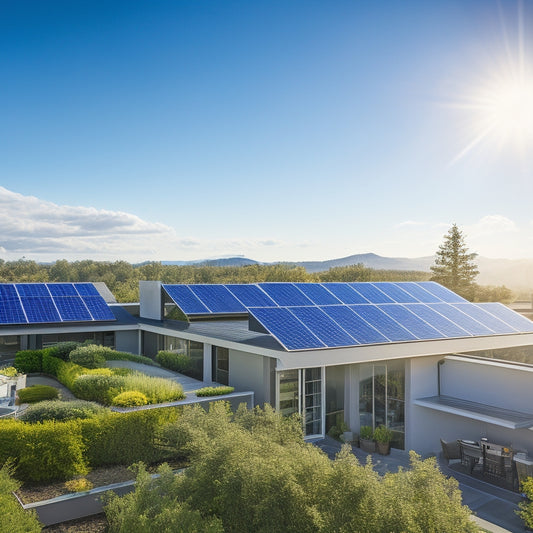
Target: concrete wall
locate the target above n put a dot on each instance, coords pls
(127, 341)
(150, 300)
(150, 344)
(246, 372)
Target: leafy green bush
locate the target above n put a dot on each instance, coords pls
(58, 410)
(130, 398)
(157, 390)
(526, 507)
(98, 388)
(88, 356)
(51, 364)
(214, 391)
(67, 372)
(9, 371)
(62, 350)
(42, 452)
(382, 434)
(113, 355)
(178, 362)
(37, 393)
(366, 432)
(28, 361)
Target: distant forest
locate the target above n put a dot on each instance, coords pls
(122, 278)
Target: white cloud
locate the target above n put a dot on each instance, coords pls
(491, 225)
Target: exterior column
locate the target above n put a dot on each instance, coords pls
(208, 363)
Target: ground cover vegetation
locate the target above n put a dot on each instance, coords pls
(253, 472)
(37, 393)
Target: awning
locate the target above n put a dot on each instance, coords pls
(478, 411)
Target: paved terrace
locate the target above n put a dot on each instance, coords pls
(494, 508)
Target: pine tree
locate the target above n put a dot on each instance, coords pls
(454, 267)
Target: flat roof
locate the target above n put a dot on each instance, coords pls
(491, 414)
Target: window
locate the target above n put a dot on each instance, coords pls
(193, 349)
(220, 365)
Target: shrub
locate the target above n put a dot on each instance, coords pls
(28, 361)
(37, 393)
(51, 364)
(526, 507)
(9, 372)
(366, 432)
(62, 350)
(88, 356)
(112, 355)
(130, 398)
(67, 373)
(214, 391)
(98, 388)
(81, 484)
(157, 390)
(382, 434)
(178, 362)
(58, 410)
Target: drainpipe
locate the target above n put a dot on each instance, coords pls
(439, 364)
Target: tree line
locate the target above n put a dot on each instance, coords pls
(122, 278)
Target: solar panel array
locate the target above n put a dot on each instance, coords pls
(304, 316)
(39, 303)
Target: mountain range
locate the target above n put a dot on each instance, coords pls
(516, 274)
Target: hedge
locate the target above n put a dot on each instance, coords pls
(173, 361)
(28, 361)
(88, 356)
(98, 388)
(130, 398)
(37, 393)
(214, 391)
(58, 410)
(62, 350)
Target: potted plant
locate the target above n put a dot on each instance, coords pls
(383, 437)
(366, 441)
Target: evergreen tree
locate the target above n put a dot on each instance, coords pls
(454, 267)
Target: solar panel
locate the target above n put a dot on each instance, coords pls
(8, 291)
(454, 314)
(371, 293)
(438, 321)
(72, 308)
(445, 295)
(98, 308)
(86, 289)
(410, 321)
(516, 320)
(383, 323)
(286, 328)
(40, 309)
(32, 290)
(395, 292)
(186, 300)
(328, 331)
(414, 289)
(345, 293)
(251, 296)
(218, 298)
(62, 289)
(360, 330)
(318, 294)
(476, 312)
(286, 294)
(11, 311)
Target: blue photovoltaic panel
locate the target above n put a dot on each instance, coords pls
(72, 308)
(318, 294)
(395, 292)
(32, 290)
(383, 323)
(414, 289)
(11, 311)
(438, 321)
(251, 296)
(361, 331)
(476, 312)
(465, 321)
(409, 321)
(186, 300)
(40, 309)
(98, 308)
(62, 289)
(286, 328)
(514, 319)
(371, 293)
(445, 295)
(345, 293)
(330, 333)
(86, 289)
(218, 299)
(285, 294)
(8, 291)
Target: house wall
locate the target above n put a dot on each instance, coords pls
(150, 299)
(247, 372)
(127, 341)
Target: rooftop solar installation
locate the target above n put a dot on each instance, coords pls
(303, 316)
(42, 303)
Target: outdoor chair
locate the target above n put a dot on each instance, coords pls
(494, 465)
(471, 455)
(450, 451)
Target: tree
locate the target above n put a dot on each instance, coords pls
(454, 267)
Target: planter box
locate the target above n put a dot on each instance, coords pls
(367, 445)
(383, 448)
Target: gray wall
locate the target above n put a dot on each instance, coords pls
(150, 299)
(150, 344)
(246, 372)
(127, 341)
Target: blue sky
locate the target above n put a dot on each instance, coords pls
(278, 130)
